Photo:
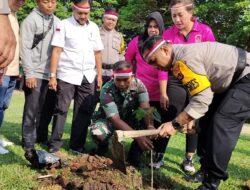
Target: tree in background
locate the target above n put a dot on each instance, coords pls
(230, 20)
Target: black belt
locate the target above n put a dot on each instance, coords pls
(242, 59)
(107, 66)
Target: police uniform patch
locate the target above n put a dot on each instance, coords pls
(193, 82)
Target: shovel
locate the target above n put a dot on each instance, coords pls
(117, 149)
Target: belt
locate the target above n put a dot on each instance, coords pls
(107, 66)
(242, 56)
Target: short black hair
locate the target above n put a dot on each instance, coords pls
(121, 65)
(110, 9)
(149, 43)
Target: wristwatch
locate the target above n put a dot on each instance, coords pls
(177, 126)
(52, 75)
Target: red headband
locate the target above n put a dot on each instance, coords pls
(111, 13)
(153, 49)
(79, 7)
(123, 73)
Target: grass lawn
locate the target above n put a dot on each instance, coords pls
(15, 172)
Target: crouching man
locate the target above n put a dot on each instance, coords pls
(119, 100)
(217, 77)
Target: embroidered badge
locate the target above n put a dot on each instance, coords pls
(198, 38)
(193, 82)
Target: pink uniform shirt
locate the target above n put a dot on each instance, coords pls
(145, 72)
(199, 33)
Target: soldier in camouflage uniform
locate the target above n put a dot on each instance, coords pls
(119, 100)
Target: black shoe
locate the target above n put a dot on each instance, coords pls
(196, 178)
(210, 184)
(32, 157)
(53, 150)
(78, 151)
(102, 150)
(202, 187)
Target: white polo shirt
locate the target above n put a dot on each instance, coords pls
(79, 43)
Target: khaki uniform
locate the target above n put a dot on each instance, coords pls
(13, 67)
(113, 49)
(216, 61)
(217, 77)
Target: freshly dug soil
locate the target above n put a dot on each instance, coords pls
(97, 173)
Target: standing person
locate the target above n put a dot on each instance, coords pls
(36, 35)
(119, 100)
(154, 80)
(7, 38)
(113, 43)
(217, 77)
(12, 72)
(76, 53)
(186, 30)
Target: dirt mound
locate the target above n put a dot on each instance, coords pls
(97, 173)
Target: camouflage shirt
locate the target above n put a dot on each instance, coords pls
(113, 101)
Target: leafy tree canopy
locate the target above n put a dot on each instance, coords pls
(230, 20)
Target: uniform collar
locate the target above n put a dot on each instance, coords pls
(77, 24)
(103, 28)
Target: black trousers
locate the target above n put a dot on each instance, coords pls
(83, 109)
(46, 116)
(225, 119)
(159, 143)
(34, 109)
(178, 99)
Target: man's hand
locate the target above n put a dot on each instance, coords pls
(7, 42)
(144, 143)
(31, 82)
(164, 102)
(189, 128)
(167, 130)
(99, 83)
(151, 127)
(53, 84)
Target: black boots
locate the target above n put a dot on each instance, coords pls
(209, 183)
(197, 177)
(32, 157)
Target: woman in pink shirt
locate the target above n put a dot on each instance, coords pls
(186, 30)
(154, 80)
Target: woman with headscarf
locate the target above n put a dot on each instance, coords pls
(154, 80)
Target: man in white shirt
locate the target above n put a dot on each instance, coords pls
(76, 58)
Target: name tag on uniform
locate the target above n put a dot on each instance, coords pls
(193, 82)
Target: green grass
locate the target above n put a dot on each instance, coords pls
(15, 172)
